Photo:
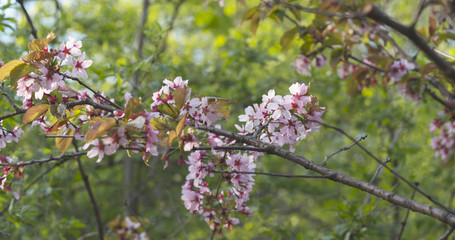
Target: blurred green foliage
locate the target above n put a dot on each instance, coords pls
(221, 57)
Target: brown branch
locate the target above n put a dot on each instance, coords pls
(342, 149)
(267, 174)
(29, 20)
(373, 12)
(442, 215)
(403, 224)
(447, 234)
(90, 193)
(90, 102)
(90, 89)
(50, 159)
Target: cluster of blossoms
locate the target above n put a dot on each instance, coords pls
(399, 68)
(283, 119)
(444, 145)
(303, 64)
(173, 116)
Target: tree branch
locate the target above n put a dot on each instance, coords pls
(267, 174)
(442, 215)
(90, 89)
(373, 12)
(90, 102)
(50, 159)
(342, 149)
(403, 224)
(29, 20)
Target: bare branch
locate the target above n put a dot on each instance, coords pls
(442, 215)
(29, 20)
(90, 89)
(403, 224)
(90, 102)
(267, 174)
(50, 159)
(378, 170)
(447, 234)
(373, 12)
(387, 167)
(342, 149)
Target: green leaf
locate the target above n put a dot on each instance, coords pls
(162, 124)
(34, 113)
(5, 71)
(288, 38)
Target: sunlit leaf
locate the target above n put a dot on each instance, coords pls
(34, 113)
(249, 14)
(254, 23)
(181, 96)
(180, 125)
(99, 126)
(18, 72)
(131, 107)
(63, 143)
(162, 124)
(40, 44)
(5, 71)
(39, 59)
(136, 125)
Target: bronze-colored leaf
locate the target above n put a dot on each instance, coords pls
(40, 44)
(181, 96)
(180, 125)
(169, 110)
(34, 113)
(64, 143)
(99, 126)
(131, 107)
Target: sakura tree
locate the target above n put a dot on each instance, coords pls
(48, 88)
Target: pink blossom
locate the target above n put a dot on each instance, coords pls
(71, 47)
(399, 68)
(79, 64)
(303, 65)
(319, 61)
(100, 148)
(177, 83)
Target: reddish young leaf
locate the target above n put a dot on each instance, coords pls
(99, 126)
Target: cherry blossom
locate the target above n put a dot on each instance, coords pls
(399, 68)
(100, 148)
(303, 65)
(80, 64)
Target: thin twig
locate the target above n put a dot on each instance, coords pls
(447, 234)
(342, 149)
(445, 216)
(365, 63)
(90, 102)
(420, 8)
(267, 174)
(90, 193)
(177, 214)
(90, 89)
(18, 109)
(261, 127)
(387, 167)
(50, 159)
(231, 148)
(403, 224)
(378, 170)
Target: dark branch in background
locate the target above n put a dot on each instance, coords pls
(387, 167)
(443, 215)
(29, 20)
(378, 170)
(342, 149)
(140, 36)
(373, 12)
(18, 109)
(403, 224)
(50, 159)
(267, 174)
(90, 89)
(90, 193)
